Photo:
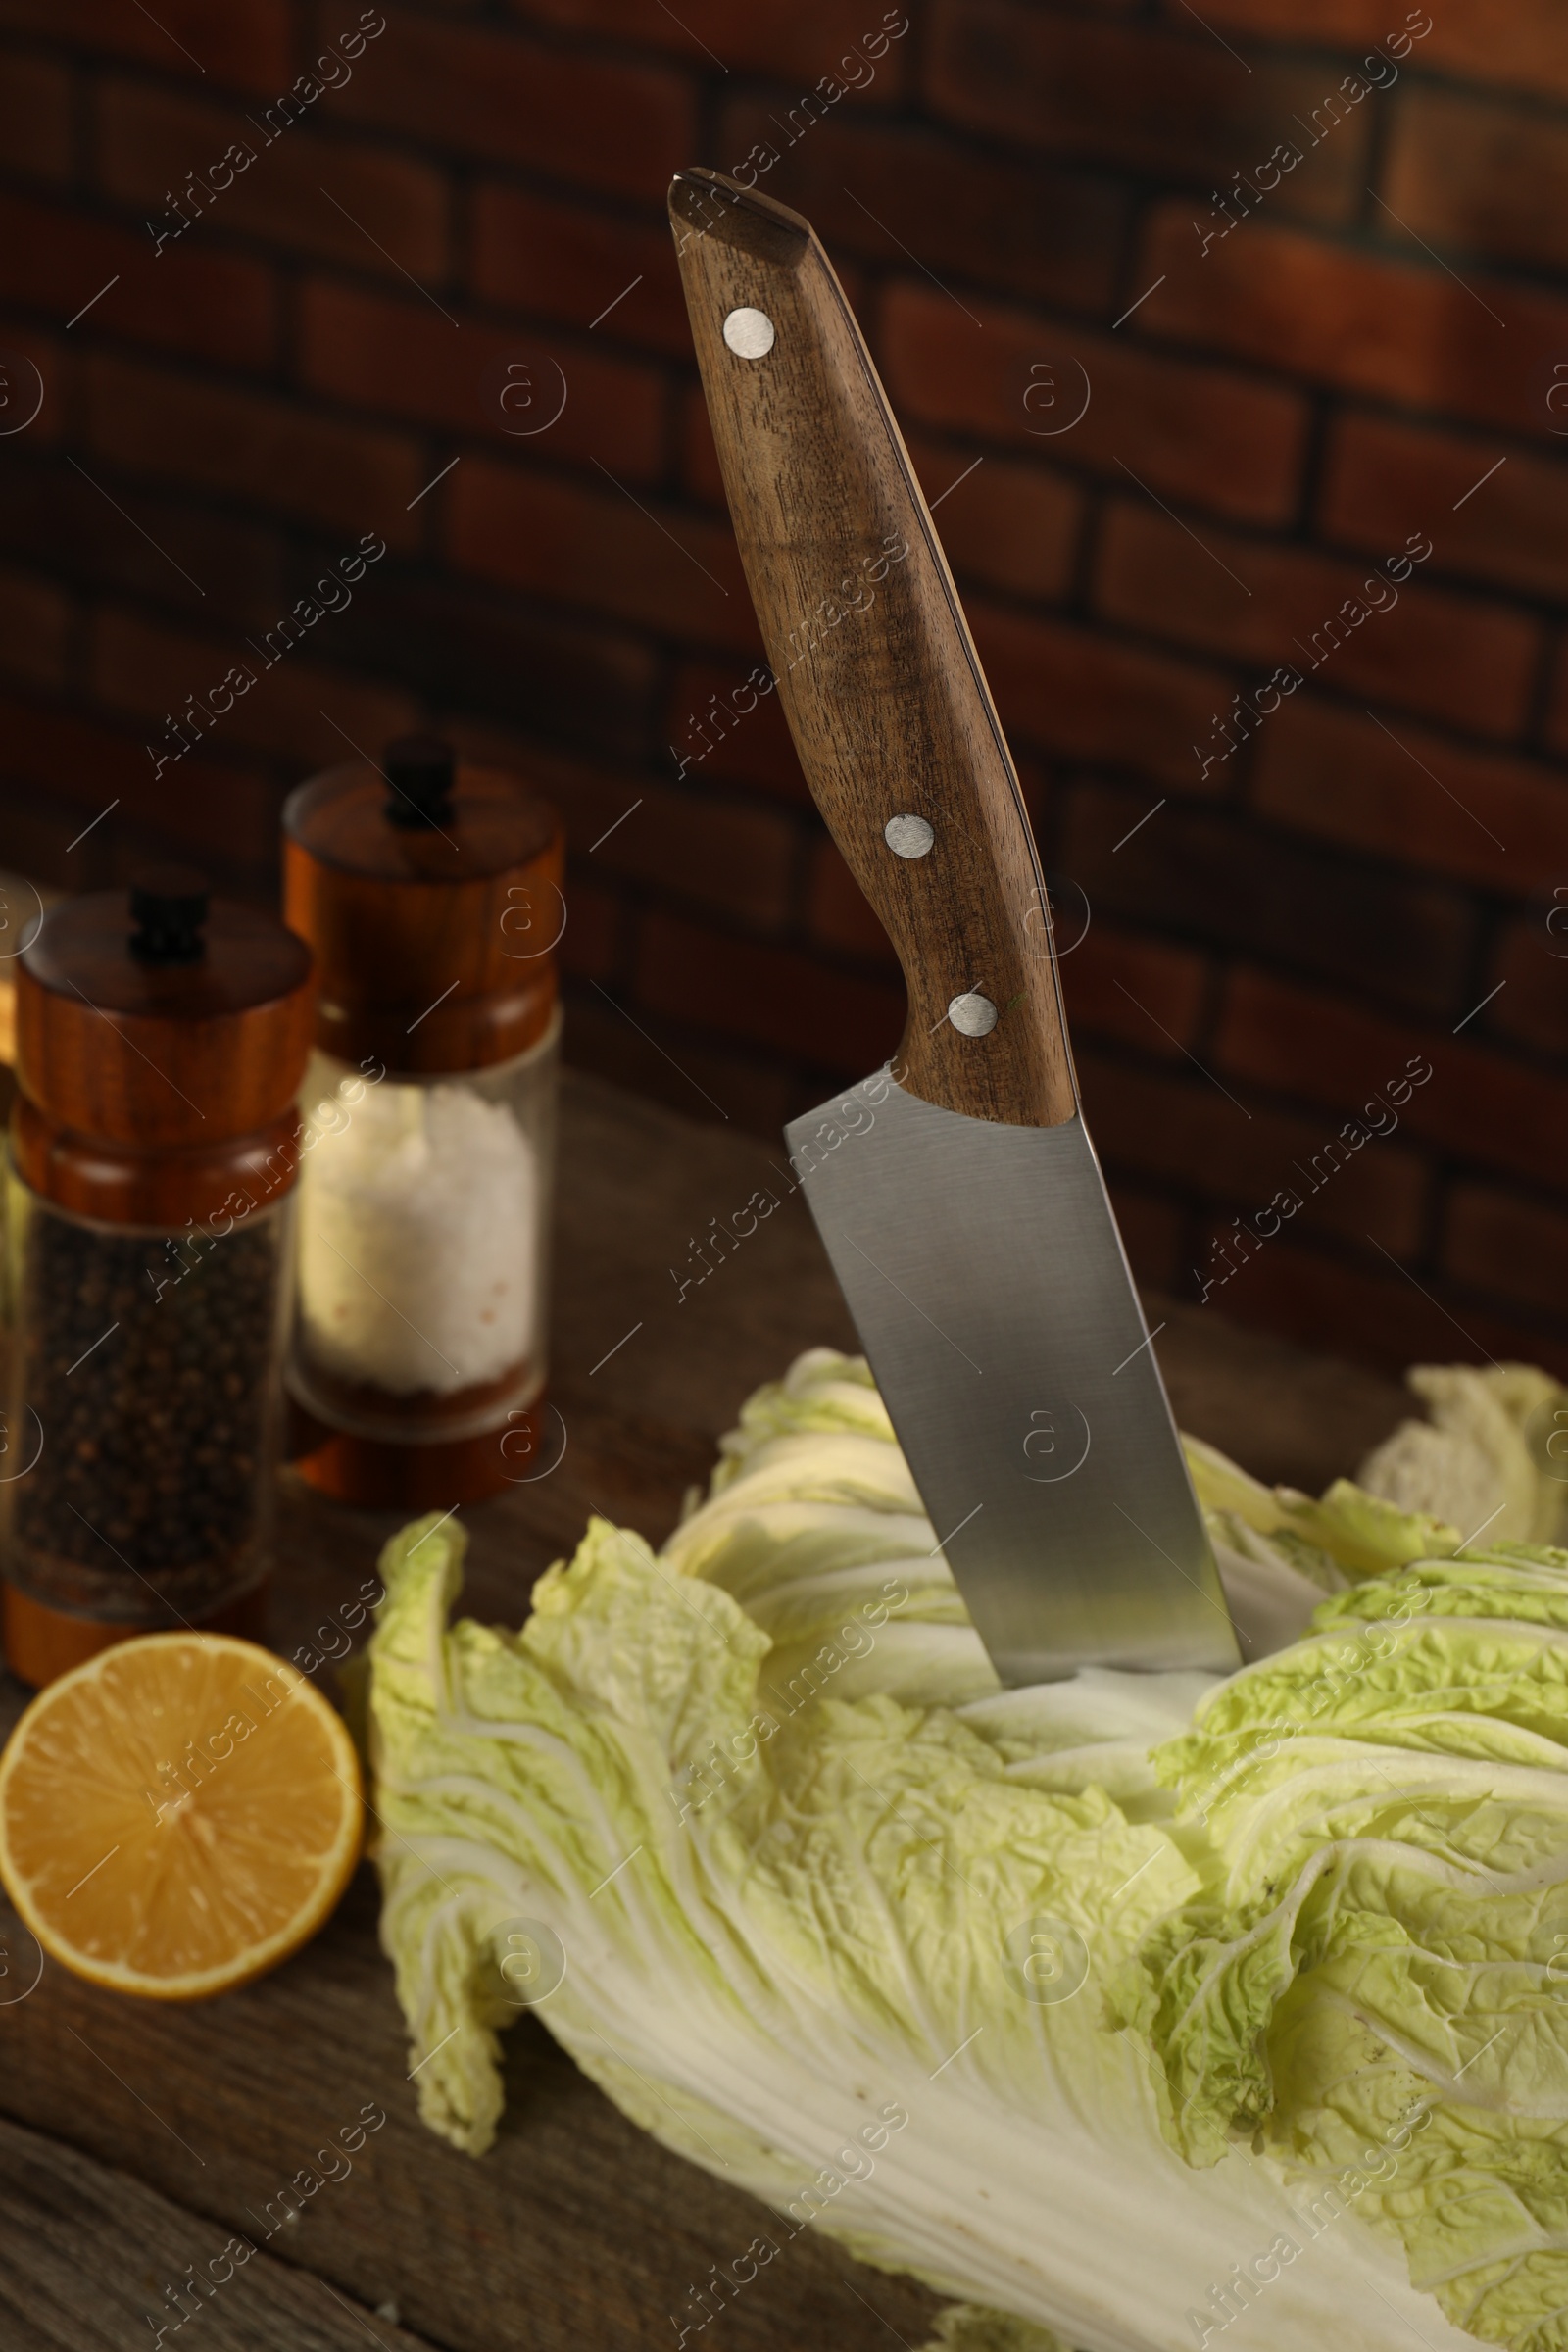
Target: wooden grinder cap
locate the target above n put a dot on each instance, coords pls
(160, 1018)
(431, 892)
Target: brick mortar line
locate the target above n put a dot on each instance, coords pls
(1104, 629)
(1444, 1162)
(499, 317)
(1480, 892)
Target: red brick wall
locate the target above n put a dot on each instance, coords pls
(1363, 362)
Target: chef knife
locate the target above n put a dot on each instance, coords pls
(957, 1192)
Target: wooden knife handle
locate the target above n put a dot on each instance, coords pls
(878, 676)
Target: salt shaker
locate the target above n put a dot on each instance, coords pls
(160, 1039)
(431, 895)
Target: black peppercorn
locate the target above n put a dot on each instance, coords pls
(146, 1373)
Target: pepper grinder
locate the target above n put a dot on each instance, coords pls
(431, 895)
(160, 1039)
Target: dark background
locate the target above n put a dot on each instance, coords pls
(232, 412)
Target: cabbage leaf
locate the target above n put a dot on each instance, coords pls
(1135, 2010)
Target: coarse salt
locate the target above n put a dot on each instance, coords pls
(417, 1239)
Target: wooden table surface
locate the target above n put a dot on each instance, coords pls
(135, 2139)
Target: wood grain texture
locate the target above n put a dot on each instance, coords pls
(146, 1058)
(147, 1093)
(87, 2253)
(433, 943)
(576, 2232)
(876, 671)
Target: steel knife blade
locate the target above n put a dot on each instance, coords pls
(957, 1191)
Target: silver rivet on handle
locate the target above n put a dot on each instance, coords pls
(907, 836)
(972, 1015)
(748, 334)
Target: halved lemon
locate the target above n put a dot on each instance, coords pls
(178, 1815)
